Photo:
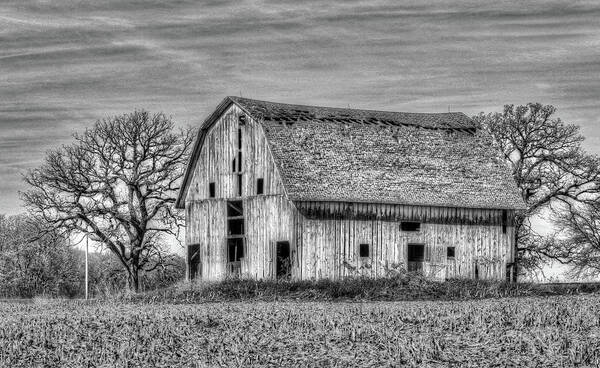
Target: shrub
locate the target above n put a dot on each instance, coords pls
(403, 287)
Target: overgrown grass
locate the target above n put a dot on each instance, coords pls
(398, 288)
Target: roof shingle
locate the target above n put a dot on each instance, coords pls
(350, 155)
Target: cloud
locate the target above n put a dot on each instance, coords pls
(67, 63)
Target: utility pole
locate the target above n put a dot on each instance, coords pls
(86, 266)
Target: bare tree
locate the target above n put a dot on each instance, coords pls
(577, 243)
(548, 165)
(117, 183)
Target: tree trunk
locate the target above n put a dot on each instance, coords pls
(516, 262)
(133, 281)
(135, 278)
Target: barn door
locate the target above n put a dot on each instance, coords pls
(283, 264)
(416, 257)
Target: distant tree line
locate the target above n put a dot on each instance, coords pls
(37, 262)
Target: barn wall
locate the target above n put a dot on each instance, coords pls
(328, 239)
(327, 247)
(268, 219)
(206, 225)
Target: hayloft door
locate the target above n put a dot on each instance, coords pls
(416, 256)
(283, 260)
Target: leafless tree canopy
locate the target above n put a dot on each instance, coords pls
(117, 183)
(578, 241)
(548, 165)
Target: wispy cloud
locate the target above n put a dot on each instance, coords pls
(66, 63)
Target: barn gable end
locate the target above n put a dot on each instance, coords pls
(219, 162)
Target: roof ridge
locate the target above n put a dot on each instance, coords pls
(235, 98)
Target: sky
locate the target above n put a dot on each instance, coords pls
(65, 64)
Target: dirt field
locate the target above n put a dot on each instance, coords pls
(554, 331)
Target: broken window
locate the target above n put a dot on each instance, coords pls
(260, 184)
(363, 250)
(450, 252)
(235, 208)
(410, 226)
(211, 190)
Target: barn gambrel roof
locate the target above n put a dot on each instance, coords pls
(351, 155)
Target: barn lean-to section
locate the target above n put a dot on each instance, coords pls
(275, 190)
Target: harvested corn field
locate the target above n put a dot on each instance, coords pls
(553, 331)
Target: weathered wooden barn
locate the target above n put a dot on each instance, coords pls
(276, 191)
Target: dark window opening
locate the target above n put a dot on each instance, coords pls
(194, 260)
(239, 161)
(235, 249)
(450, 252)
(233, 166)
(415, 257)
(239, 185)
(235, 237)
(364, 250)
(235, 208)
(504, 221)
(235, 226)
(239, 139)
(211, 190)
(410, 226)
(260, 186)
(476, 272)
(283, 260)
(416, 252)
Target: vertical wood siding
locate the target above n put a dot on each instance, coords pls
(329, 243)
(218, 152)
